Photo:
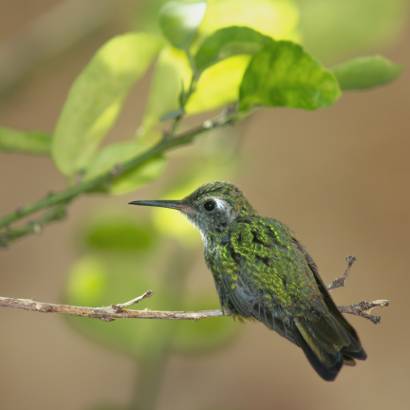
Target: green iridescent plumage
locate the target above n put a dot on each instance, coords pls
(262, 272)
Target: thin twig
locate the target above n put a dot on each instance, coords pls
(120, 307)
(340, 281)
(364, 308)
(184, 98)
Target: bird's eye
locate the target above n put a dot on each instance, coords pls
(210, 205)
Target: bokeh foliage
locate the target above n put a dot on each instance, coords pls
(333, 29)
(203, 56)
(207, 54)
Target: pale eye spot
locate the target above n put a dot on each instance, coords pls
(221, 204)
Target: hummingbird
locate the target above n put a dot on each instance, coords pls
(262, 272)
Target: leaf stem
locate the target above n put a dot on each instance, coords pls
(184, 97)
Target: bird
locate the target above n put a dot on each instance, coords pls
(263, 273)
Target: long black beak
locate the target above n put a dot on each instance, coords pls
(179, 205)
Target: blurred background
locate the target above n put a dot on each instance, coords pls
(338, 177)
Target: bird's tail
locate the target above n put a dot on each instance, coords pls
(328, 341)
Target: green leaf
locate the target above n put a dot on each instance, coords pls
(96, 98)
(118, 232)
(366, 72)
(113, 156)
(284, 75)
(227, 42)
(26, 142)
(179, 21)
(218, 85)
(139, 176)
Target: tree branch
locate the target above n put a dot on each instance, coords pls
(119, 311)
(67, 196)
(36, 226)
(106, 313)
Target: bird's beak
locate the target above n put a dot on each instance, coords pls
(179, 205)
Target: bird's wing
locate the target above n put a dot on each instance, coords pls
(271, 268)
(258, 274)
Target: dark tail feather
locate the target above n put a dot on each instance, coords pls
(354, 349)
(328, 342)
(327, 369)
(318, 328)
(344, 346)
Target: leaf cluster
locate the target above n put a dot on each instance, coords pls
(210, 54)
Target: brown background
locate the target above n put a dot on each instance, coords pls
(339, 177)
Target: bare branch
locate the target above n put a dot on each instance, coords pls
(364, 308)
(107, 313)
(340, 281)
(119, 311)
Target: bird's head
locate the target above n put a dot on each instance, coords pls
(212, 207)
